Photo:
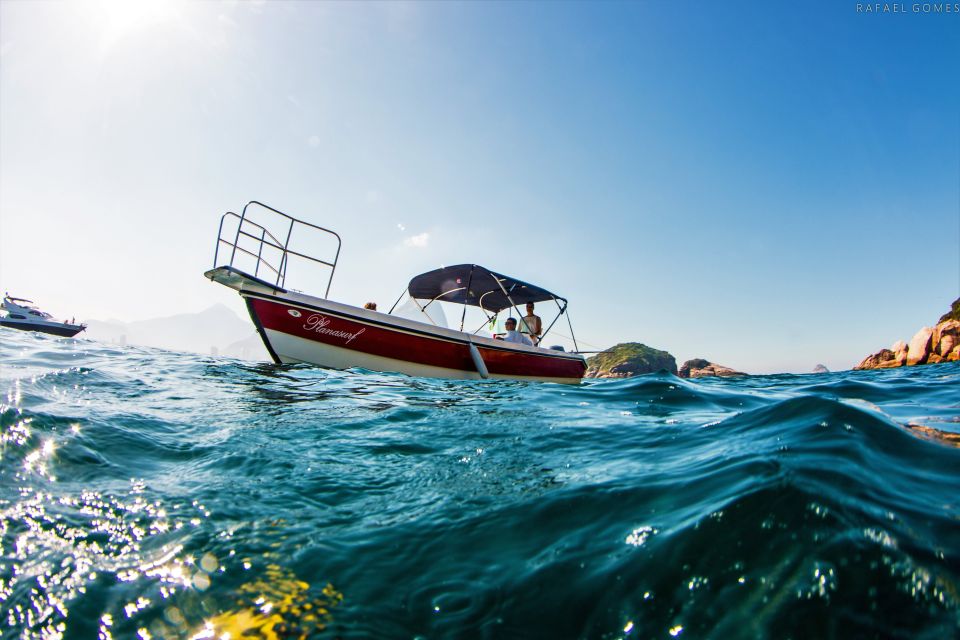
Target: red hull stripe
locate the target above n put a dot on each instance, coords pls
(381, 340)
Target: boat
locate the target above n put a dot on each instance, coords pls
(23, 314)
(411, 338)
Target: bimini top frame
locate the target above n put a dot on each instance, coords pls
(477, 286)
(474, 285)
(252, 239)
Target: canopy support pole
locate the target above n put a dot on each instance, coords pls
(562, 309)
(508, 296)
(570, 324)
(397, 302)
(423, 310)
(485, 322)
(440, 296)
(463, 316)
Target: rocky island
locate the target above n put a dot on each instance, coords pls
(700, 368)
(930, 345)
(633, 359)
(629, 359)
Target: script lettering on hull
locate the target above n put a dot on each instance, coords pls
(320, 324)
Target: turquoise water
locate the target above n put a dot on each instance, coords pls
(146, 493)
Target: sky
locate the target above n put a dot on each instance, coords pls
(769, 186)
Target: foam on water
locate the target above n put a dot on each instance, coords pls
(146, 493)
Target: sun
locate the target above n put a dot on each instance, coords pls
(118, 19)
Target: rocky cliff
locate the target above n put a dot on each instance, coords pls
(629, 359)
(700, 368)
(953, 314)
(930, 345)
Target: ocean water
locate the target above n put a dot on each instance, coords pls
(153, 494)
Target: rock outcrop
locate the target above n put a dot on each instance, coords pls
(919, 347)
(944, 343)
(900, 352)
(820, 369)
(883, 359)
(953, 314)
(930, 345)
(629, 359)
(700, 368)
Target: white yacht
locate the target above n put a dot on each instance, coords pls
(23, 314)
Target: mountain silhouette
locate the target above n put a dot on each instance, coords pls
(215, 330)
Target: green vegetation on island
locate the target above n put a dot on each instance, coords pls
(629, 359)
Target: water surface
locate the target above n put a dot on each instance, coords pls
(147, 493)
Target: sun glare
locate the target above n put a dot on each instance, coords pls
(118, 19)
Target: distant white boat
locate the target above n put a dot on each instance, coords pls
(23, 314)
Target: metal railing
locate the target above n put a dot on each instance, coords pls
(256, 237)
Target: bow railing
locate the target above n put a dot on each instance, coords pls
(250, 242)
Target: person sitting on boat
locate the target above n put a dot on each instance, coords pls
(512, 335)
(372, 306)
(531, 325)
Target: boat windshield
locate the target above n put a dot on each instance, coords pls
(414, 309)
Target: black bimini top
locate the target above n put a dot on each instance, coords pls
(476, 286)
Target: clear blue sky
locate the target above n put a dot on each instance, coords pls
(767, 185)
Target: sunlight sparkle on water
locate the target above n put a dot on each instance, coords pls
(640, 535)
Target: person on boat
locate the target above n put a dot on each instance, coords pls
(531, 325)
(370, 305)
(512, 335)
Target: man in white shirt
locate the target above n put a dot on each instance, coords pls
(531, 324)
(513, 335)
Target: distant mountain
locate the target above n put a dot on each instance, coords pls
(250, 348)
(211, 331)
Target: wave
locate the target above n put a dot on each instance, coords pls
(166, 491)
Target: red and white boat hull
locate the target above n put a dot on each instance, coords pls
(299, 328)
